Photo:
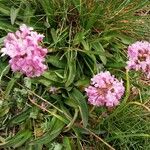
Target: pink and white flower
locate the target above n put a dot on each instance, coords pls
(105, 90)
(139, 57)
(26, 53)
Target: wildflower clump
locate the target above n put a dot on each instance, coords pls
(139, 57)
(105, 90)
(26, 53)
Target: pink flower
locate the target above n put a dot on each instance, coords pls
(105, 90)
(139, 57)
(53, 90)
(23, 47)
(31, 66)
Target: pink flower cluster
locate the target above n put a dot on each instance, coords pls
(105, 90)
(25, 51)
(139, 57)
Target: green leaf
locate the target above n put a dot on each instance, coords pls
(9, 87)
(4, 69)
(54, 35)
(141, 4)
(99, 48)
(28, 12)
(32, 147)
(48, 7)
(34, 112)
(71, 103)
(52, 75)
(122, 6)
(82, 82)
(94, 16)
(85, 45)
(4, 9)
(66, 143)
(78, 5)
(2, 41)
(56, 146)
(126, 39)
(55, 130)
(4, 110)
(79, 37)
(117, 65)
(77, 96)
(71, 61)
(91, 62)
(6, 27)
(27, 82)
(20, 138)
(55, 61)
(42, 81)
(20, 117)
(13, 14)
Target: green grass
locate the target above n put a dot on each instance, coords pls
(83, 38)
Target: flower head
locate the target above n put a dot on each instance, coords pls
(139, 57)
(53, 90)
(23, 47)
(105, 90)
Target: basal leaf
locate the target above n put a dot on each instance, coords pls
(13, 14)
(71, 61)
(98, 47)
(77, 96)
(6, 26)
(20, 117)
(56, 128)
(51, 75)
(9, 87)
(55, 61)
(67, 143)
(17, 140)
(4, 110)
(4, 9)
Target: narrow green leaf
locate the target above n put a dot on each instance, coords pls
(33, 147)
(99, 48)
(54, 35)
(56, 129)
(79, 37)
(4, 110)
(43, 81)
(122, 6)
(56, 146)
(9, 87)
(4, 9)
(28, 12)
(3, 70)
(79, 98)
(82, 82)
(78, 5)
(66, 143)
(20, 117)
(117, 65)
(71, 61)
(55, 61)
(6, 27)
(17, 140)
(51, 75)
(28, 82)
(94, 16)
(48, 7)
(13, 14)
